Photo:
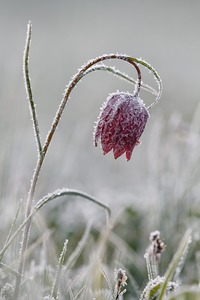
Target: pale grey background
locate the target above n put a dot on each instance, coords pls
(67, 34)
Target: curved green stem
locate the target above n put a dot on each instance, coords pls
(102, 67)
(45, 200)
(156, 75)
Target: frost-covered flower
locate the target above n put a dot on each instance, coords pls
(157, 246)
(121, 123)
(121, 281)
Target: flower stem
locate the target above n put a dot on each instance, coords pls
(156, 75)
(102, 67)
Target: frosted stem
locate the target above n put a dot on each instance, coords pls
(102, 67)
(40, 158)
(46, 199)
(156, 75)
(56, 284)
(27, 83)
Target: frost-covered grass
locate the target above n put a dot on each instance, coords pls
(73, 245)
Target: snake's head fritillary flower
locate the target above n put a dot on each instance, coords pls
(121, 123)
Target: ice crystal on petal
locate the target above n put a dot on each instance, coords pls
(121, 123)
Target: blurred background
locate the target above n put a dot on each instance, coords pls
(162, 174)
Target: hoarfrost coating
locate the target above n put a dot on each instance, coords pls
(121, 122)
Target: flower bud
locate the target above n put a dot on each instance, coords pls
(121, 123)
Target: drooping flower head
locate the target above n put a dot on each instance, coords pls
(121, 123)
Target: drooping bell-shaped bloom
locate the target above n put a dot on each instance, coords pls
(121, 123)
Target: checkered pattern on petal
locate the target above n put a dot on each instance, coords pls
(120, 124)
